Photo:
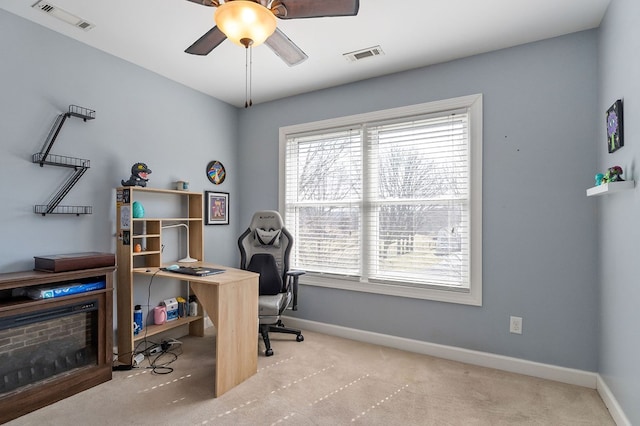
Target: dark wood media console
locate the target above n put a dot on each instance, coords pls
(84, 368)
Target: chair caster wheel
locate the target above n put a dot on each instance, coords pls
(268, 352)
(299, 338)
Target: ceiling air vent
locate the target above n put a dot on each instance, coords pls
(359, 55)
(63, 15)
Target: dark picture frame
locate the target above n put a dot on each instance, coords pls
(615, 138)
(216, 210)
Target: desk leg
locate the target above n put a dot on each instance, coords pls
(233, 309)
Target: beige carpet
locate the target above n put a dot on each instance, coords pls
(326, 380)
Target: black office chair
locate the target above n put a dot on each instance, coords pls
(264, 248)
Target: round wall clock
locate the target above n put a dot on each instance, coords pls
(216, 172)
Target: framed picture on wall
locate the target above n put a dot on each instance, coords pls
(615, 138)
(216, 208)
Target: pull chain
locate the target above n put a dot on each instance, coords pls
(248, 75)
(247, 43)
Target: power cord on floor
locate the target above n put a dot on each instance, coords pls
(170, 349)
(161, 356)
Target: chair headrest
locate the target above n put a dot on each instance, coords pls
(266, 219)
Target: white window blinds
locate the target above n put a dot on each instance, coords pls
(383, 201)
(418, 198)
(324, 200)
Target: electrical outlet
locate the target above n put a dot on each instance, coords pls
(515, 325)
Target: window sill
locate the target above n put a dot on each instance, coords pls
(461, 297)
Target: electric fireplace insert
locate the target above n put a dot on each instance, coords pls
(52, 348)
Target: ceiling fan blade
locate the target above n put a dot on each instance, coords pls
(294, 9)
(287, 50)
(209, 41)
(210, 3)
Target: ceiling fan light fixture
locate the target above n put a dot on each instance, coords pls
(244, 19)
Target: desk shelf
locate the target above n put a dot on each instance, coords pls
(610, 188)
(147, 231)
(146, 253)
(151, 330)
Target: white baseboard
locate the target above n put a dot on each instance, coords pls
(612, 404)
(483, 359)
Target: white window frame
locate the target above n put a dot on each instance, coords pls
(471, 296)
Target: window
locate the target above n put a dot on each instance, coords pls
(390, 201)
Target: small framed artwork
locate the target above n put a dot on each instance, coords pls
(615, 138)
(216, 208)
(216, 172)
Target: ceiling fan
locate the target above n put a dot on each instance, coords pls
(281, 45)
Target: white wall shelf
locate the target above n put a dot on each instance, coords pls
(611, 187)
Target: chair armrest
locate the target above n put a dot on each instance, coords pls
(293, 279)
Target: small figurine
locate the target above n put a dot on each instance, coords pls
(599, 179)
(139, 173)
(614, 174)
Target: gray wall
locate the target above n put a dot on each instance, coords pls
(539, 244)
(140, 116)
(619, 75)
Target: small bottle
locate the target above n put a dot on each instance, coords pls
(183, 309)
(193, 306)
(137, 319)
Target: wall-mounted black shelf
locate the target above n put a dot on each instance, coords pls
(77, 210)
(79, 165)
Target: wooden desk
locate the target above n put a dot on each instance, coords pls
(231, 301)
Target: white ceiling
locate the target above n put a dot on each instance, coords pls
(412, 33)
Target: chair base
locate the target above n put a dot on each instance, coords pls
(277, 328)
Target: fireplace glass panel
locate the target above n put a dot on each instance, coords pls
(42, 345)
